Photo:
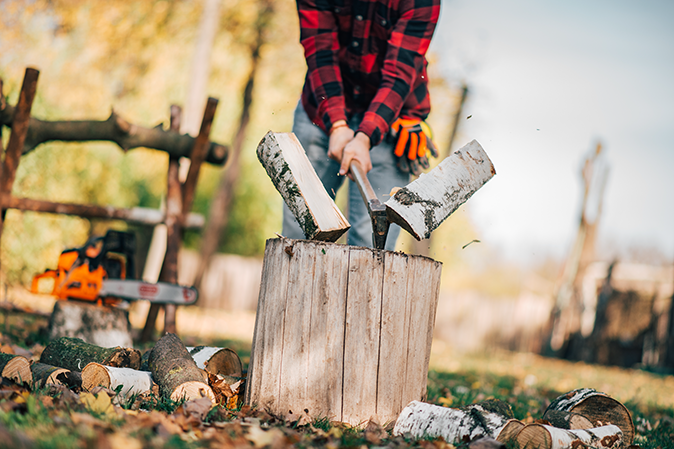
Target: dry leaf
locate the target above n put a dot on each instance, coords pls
(198, 408)
(118, 440)
(261, 438)
(99, 403)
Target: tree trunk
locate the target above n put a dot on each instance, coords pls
(16, 367)
(115, 129)
(597, 407)
(130, 380)
(176, 373)
(74, 354)
(341, 332)
(97, 325)
(541, 436)
(485, 419)
(44, 374)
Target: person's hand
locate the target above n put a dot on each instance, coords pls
(358, 148)
(413, 142)
(340, 135)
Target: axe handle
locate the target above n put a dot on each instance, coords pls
(375, 208)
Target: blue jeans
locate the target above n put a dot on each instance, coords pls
(384, 176)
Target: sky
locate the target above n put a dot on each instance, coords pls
(548, 80)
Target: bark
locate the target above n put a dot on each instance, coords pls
(567, 420)
(541, 436)
(74, 354)
(44, 374)
(421, 206)
(599, 408)
(286, 163)
(175, 372)
(484, 419)
(16, 367)
(115, 129)
(128, 381)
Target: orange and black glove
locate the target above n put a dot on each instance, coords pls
(413, 142)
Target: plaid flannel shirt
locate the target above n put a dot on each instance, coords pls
(366, 56)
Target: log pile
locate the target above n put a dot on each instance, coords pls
(580, 418)
(168, 370)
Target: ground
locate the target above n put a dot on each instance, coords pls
(53, 418)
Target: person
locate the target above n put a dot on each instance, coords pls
(365, 97)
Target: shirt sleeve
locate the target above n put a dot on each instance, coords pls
(404, 63)
(318, 36)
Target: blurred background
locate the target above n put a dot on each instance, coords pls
(568, 251)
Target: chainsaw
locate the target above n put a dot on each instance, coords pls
(103, 271)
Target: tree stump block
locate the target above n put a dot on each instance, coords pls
(16, 367)
(341, 332)
(101, 326)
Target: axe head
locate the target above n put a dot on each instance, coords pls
(423, 204)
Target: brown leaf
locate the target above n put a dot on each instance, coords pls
(198, 408)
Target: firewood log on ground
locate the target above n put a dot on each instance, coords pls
(541, 436)
(484, 419)
(219, 361)
(74, 354)
(129, 381)
(44, 375)
(599, 408)
(175, 372)
(16, 367)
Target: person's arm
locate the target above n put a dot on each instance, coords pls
(318, 36)
(404, 63)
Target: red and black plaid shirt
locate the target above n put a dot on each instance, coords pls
(366, 56)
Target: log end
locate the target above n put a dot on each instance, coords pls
(95, 375)
(18, 369)
(510, 430)
(534, 436)
(225, 362)
(193, 390)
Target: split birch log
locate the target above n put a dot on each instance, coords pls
(44, 374)
(341, 332)
(423, 204)
(218, 361)
(74, 354)
(16, 367)
(101, 326)
(130, 380)
(176, 373)
(462, 425)
(294, 177)
(541, 436)
(597, 407)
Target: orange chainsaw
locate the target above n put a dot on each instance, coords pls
(103, 271)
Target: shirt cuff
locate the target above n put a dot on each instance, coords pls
(374, 126)
(330, 111)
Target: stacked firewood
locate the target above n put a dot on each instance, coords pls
(580, 418)
(169, 369)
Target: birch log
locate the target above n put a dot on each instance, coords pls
(294, 177)
(341, 332)
(130, 380)
(541, 436)
(567, 420)
(16, 367)
(52, 375)
(597, 407)
(219, 361)
(423, 204)
(176, 373)
(485, 419)
(74, 354)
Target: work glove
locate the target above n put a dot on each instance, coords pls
(413, 141)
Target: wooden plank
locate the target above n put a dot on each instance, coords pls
(361, 340)
(420, 316)
(423, 204)
(326, 343)
(394, 337)
(269, 327)
(296, 331)
(294, 177)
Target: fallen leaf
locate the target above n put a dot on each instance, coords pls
(261, 438)
(118, 440)
(99, 404)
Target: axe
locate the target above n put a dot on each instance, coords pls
(422, 205)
